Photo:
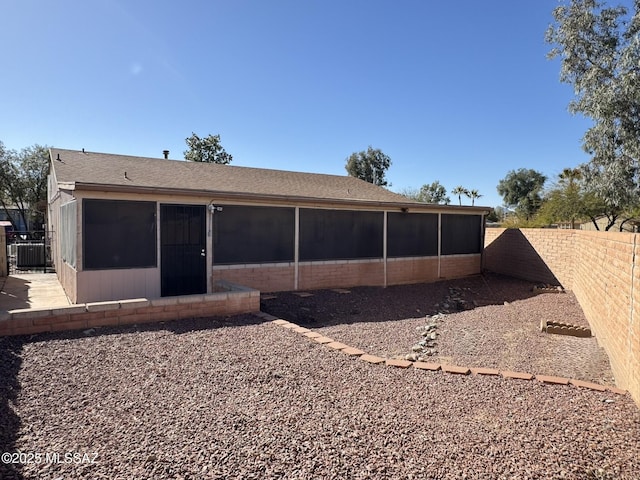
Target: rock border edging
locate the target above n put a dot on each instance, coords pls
(452, 369)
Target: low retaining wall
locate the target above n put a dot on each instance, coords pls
(603, 271)
(230, 300)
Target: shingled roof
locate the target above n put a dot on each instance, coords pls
(88, 170)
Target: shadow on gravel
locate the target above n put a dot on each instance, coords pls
(10, 362)
(176, 327)
(180, 326)
(372, 304)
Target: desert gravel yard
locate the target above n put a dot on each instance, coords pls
(240, 397)
(487, 321)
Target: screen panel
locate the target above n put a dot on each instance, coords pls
(412, 234)
(461, 234)
(68, 230)
(340, 234)
(118, 234)
(253, 234)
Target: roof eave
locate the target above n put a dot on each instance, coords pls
(257, 196)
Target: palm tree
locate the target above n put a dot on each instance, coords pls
(570, 176)
(473, 194)
(571, 194)
(459, 191)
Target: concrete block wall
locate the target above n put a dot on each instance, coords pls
(341, 274)
(456, 266)
(402, 271)
(603, 271)
(607, 285)
(348, 273)
(278, 277)
(128, 312)
(535, 254)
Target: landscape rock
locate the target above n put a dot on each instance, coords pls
(220, 409)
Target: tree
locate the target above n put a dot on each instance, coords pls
(600, 52)
(410, 192)
(501, 212)
(370, 166)
(23, 183)
(493, 216)
(206, 150)
(571, 199)
(522, 189)
(566, 200)
(459, 191)
(473, 194)
(434, 193)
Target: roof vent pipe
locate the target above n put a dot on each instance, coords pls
(166, 154)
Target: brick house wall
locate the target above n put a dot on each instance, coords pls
(603, 271)
(348, 273)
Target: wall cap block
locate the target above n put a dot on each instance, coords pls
(72, 309)
(183, 299)
(216, 296)
(164, 301)
(135, 303)
(102, 306)
(30, 313)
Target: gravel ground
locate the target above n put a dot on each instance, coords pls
(484, 321)
(236, 398)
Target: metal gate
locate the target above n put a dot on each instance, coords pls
(29, 251)
(183, 254)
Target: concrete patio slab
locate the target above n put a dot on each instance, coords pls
(31, 291)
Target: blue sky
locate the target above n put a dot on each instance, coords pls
(459, 92)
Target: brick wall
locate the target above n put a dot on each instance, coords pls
(128, 312)
(456, 266)
(603, 271)
(401, 271)
(606, 284)
(336, 274)
(348, 273)
(277, 277)
(535, 254)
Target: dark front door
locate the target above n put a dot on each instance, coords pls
(183, 253)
